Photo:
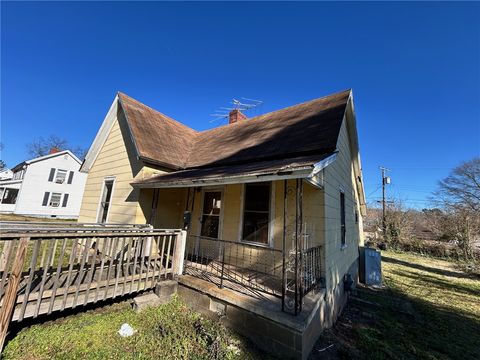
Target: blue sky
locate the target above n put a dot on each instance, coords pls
(414, 69)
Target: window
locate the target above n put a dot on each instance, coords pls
(212, 205)
(105, 200)
(70, 177)
(256, 212)
(61, 176)
(10, 196)
(18, 175)
(55, 200)
(342, 219)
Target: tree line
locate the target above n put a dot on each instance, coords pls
(42, 146)
(454, 218)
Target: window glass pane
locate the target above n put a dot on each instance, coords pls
(256, 214)
(255, 227)
(61, 175)
(210, 226)
(212, 202)
(55, 199)
(105, 203)
(10, 196)
(257, 197)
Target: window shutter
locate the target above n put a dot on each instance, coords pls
(45, 198)
(52, 174)
(70, 177)
(65, 200)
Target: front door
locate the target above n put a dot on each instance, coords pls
(211, 212)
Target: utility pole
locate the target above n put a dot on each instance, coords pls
(385, 181)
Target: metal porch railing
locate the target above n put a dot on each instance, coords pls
(255, 270)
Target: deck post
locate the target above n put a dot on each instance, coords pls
(179, 254)
(12, 288)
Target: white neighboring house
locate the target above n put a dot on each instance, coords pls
(47, 186)
(6, 174)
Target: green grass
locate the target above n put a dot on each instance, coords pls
(429, 310)
(170, 331)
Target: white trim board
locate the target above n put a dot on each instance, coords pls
(101, 137)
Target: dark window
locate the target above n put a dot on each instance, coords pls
(65, 200)
(52, 174)
(55, 200)
(70, 177)
(61, 176)
(342, 219)
(10, 196)
(105, 201)
(45, 198)
(212, 204)
(256, 212)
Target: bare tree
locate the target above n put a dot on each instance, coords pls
(459, 196)
(399, 221)
(42, 146)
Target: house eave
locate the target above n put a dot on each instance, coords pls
(248, 178)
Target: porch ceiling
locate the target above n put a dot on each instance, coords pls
(298, 167)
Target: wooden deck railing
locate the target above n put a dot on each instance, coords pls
(51, 270)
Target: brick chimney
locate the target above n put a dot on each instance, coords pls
(236, 116)
(54, 150)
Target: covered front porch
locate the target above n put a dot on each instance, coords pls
(263, 237)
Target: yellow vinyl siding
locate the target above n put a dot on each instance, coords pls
(340, 176)
(115, 159)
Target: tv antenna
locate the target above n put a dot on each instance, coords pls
(244, 105)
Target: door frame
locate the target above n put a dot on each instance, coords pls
(221, 190)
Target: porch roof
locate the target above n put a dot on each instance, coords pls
(298, 167)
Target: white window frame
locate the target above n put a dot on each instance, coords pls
(220, 189)
(99, 206)
(56, 179)
(271, 218)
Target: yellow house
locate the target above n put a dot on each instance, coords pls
(273, 206)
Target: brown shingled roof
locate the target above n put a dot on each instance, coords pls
(158, 138)
(310, 128)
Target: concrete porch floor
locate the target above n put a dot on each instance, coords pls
(259, 318)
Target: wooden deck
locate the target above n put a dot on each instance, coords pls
(48, 271)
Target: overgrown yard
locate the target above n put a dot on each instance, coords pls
(430, 309)
(171, 331)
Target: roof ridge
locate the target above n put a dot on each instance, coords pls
(256, 118)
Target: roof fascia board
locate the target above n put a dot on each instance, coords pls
(318, 167)
(353, 138)
(322, 164)
(45, 157)
(137, 153)
(101, 137)
(296, 174)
